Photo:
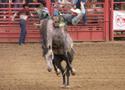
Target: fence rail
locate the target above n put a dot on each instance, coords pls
(94, 30)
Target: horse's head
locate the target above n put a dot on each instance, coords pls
(58, 21)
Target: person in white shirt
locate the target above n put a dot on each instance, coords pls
(81, 5)
(23, 14)
(74, 17)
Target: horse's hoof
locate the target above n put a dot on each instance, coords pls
(73, 72)
(49, 69)
(63, 86)
(67, 86)
(58, 72)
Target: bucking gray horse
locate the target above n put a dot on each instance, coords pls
(57, 46)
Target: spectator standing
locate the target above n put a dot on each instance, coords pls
(23, 14)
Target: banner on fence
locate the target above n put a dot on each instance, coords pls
(119, 20)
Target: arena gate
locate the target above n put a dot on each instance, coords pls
(96, 29)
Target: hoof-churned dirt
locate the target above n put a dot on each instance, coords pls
(99, 66)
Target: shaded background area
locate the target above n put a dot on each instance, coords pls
(100, 66)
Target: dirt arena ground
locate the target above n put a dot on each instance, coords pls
(99, 65)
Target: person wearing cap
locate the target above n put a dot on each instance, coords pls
(42, 11)
(23, 15)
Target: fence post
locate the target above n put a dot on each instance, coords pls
(9, 4)
(106, 19)
(111, 20)
(48, 3)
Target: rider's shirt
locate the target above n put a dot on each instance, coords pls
(43, 13)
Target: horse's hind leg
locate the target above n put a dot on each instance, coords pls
(67, 75)
(56, 68)
(69, 65)
(69, 59)
(56, 61)
(64, 80)
(63, 74)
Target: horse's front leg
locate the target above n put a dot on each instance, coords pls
(49, 57)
